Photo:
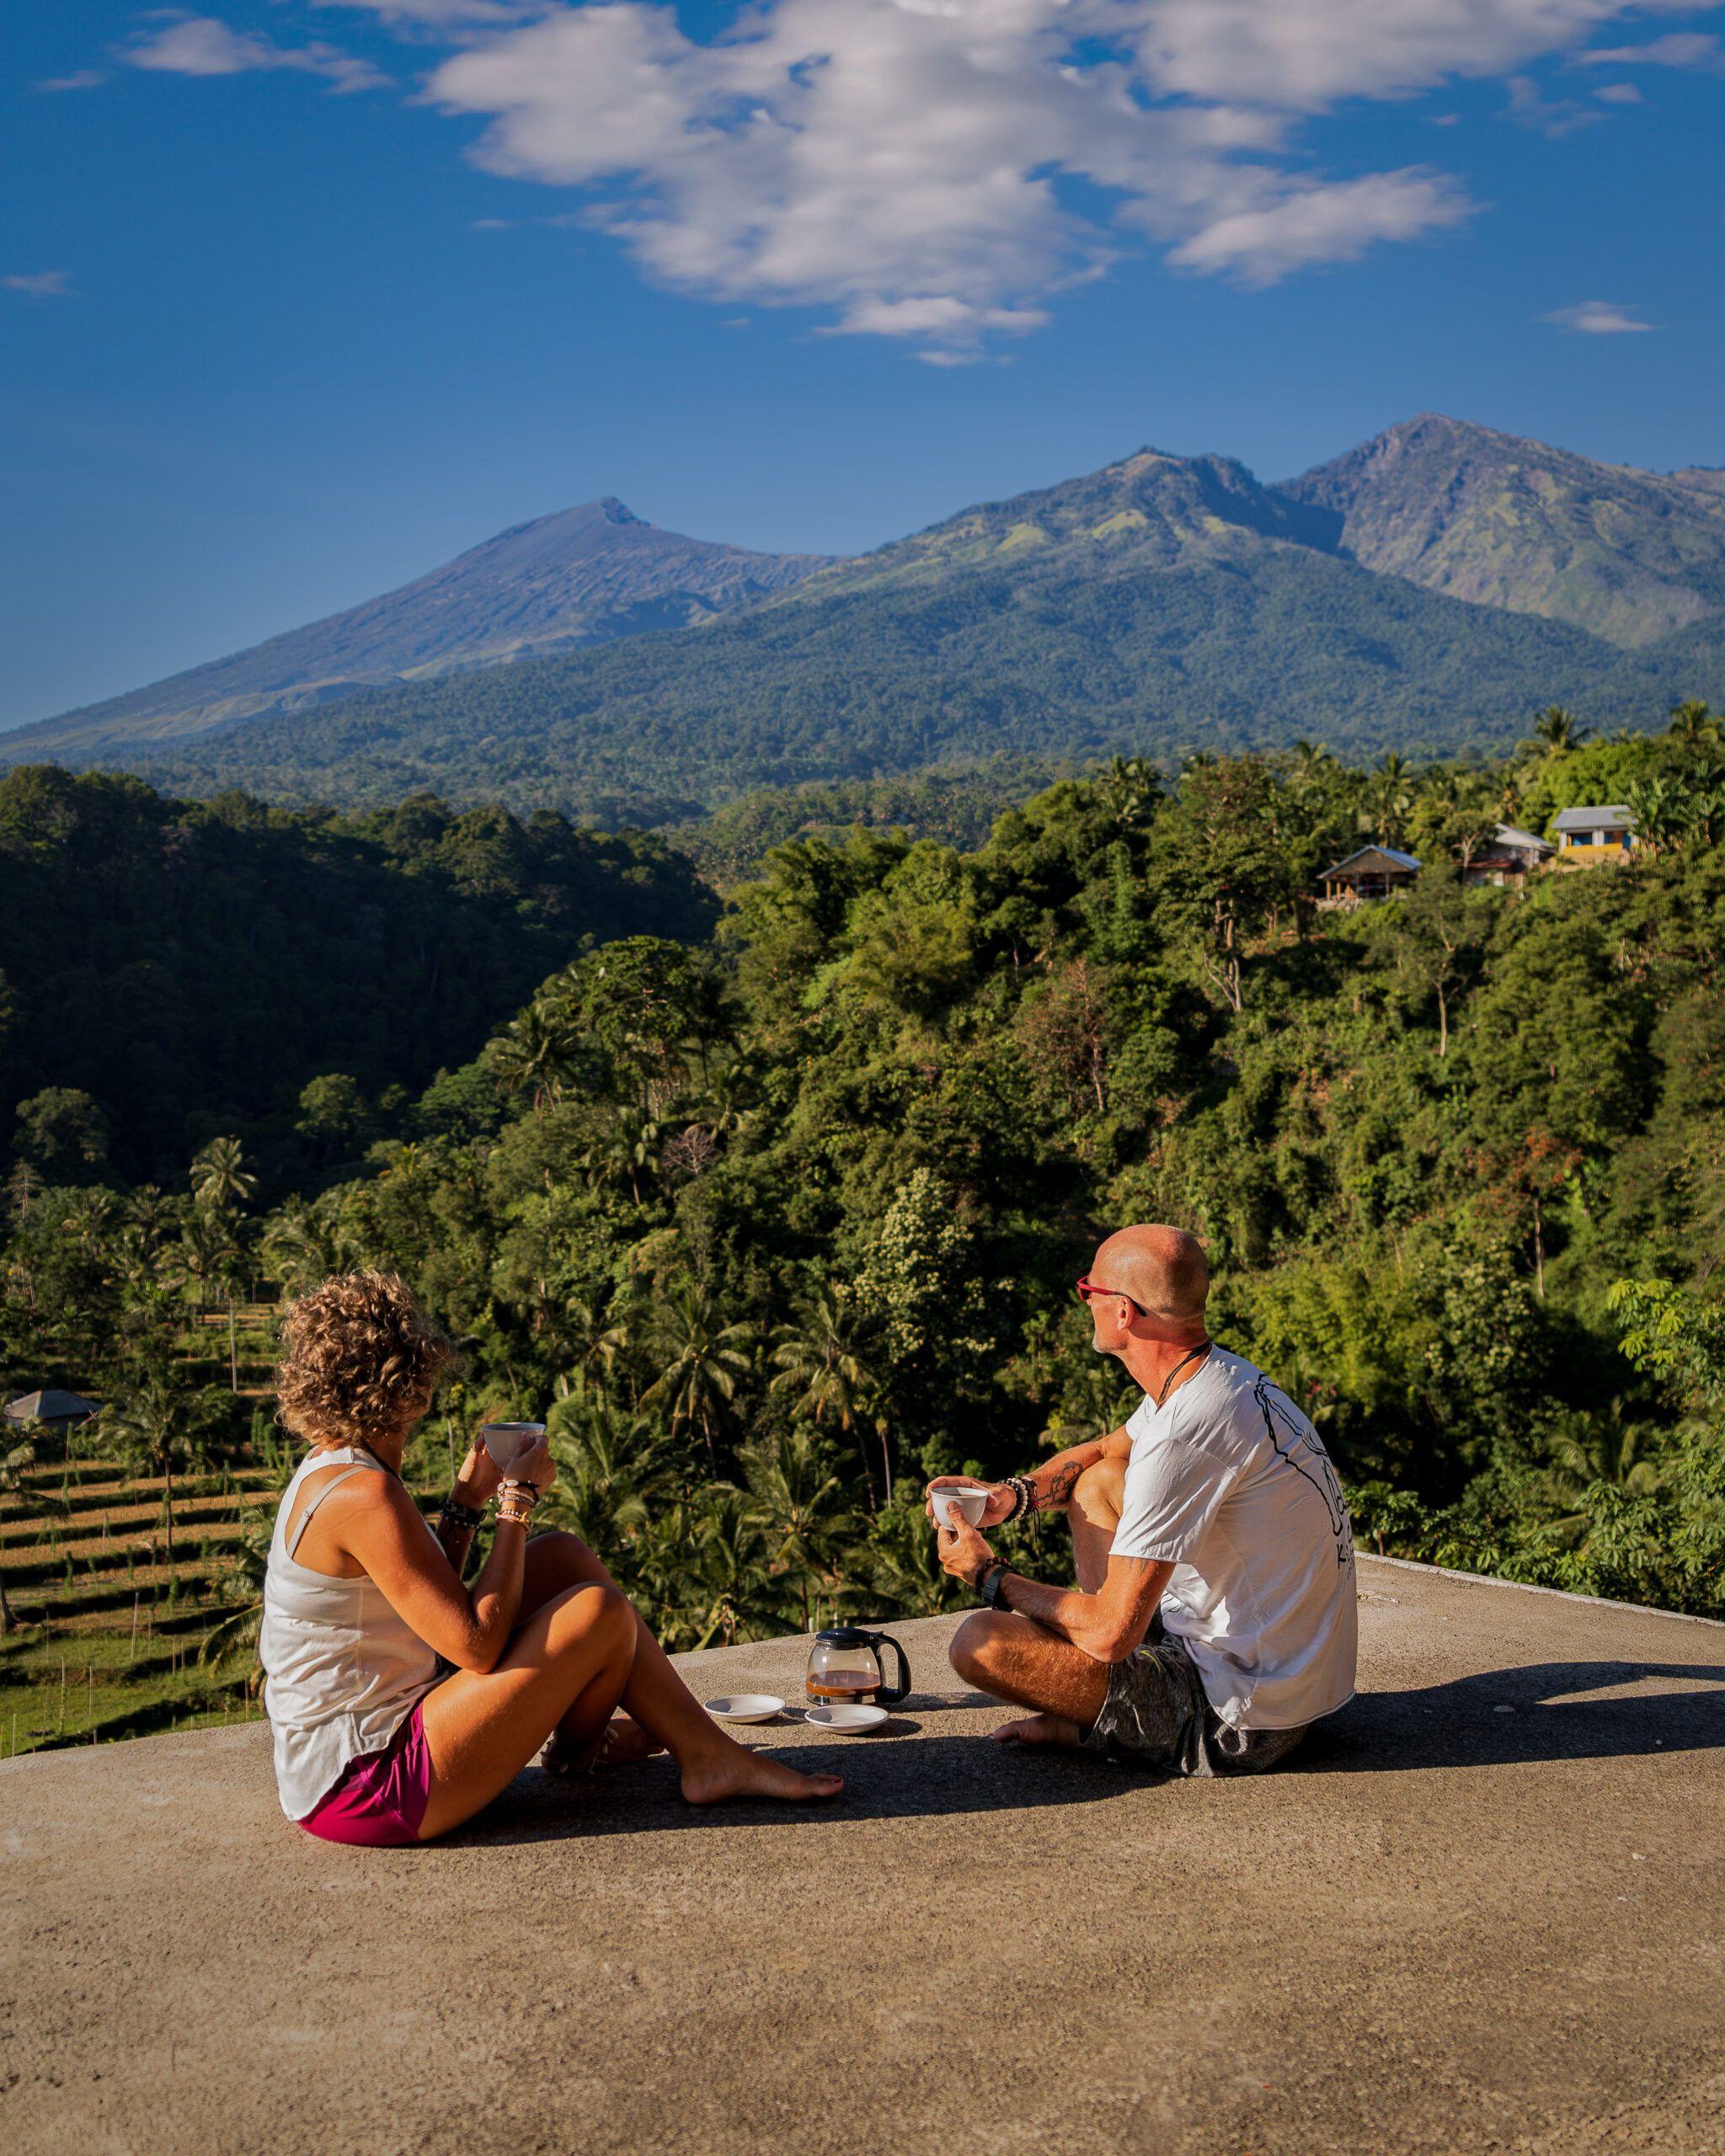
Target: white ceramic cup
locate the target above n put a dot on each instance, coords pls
(966, 1498)
(506, 1442)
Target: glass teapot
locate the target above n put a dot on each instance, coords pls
(844, 1666)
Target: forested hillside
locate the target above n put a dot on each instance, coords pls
(774, 1226)
(171, 971)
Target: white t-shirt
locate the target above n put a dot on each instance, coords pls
(1230, 1481)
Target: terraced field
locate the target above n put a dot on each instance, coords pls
(105, 1635)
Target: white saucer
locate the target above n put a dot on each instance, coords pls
(850, 1720)
(746, 1706)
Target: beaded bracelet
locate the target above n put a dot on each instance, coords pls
(1023, 1497)
(516, 1502)
(453, 1513)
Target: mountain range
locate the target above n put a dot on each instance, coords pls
(1424, 592)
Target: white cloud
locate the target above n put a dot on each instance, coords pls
(441, 15)
(1307, 55)
(1597, 318)
(1619, 93)
(909, 163)
(198, 45)
(1325, 223)
(1682, 49)
(936, 170)
(82, 78)
(42, 285)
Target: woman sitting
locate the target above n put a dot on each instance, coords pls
(402, 1702)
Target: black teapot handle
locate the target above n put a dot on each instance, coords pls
(890, 1695)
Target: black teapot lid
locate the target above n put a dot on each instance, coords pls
(846, 1636)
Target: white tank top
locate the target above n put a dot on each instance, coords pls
(344, 1670)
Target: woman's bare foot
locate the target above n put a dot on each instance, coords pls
(625, 1742)
(736, 1771)
(1040, 1729)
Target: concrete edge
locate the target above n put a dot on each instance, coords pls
(1526, 1587)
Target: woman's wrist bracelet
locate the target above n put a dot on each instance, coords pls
(453, 1514)
(516, 1502)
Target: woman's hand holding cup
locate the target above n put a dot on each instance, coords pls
(535, 1465)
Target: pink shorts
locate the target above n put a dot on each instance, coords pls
(381, 1797)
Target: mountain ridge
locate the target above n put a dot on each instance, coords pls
(577, 576)
(1157, 605)
(1502, 520)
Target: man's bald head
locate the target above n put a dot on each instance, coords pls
(1162, 1269)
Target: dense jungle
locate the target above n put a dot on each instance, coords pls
(774, 1210)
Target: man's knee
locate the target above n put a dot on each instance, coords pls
(1101, 1490)
(975, 1645)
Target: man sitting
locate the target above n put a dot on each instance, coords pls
(1213, 1618)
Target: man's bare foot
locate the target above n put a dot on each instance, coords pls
(739, 1772)
(625, 1742)
(1040, 1729)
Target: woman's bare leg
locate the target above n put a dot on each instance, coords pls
(713, 1764)
(565, 1668)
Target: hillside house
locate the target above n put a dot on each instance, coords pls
(1587, 836)
(1376, 872)
(52, 1409)
(1510, 856)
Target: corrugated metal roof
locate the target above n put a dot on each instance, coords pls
(1592, 819)
(49, 1407)
(1512, 834)
(1393, 855)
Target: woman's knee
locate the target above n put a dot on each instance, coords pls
(590, 1616)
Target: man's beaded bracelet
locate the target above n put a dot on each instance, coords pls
(1023, 1497)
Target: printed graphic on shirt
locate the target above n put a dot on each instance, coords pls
(1295, 1441)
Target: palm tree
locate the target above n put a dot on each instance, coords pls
(816, 1355)
(27, 1498)
(163, 1427)
(796, 1495)
(1558, 729)
(242, 1575)
(221, 1181)
(1693, 725)
(304, 1244)
(704, 1362)
(537, 1054)
(1662, 808)
(1606, 1450)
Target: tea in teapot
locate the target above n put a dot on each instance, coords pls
(845, 1667)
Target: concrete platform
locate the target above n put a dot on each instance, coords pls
(1486, 1912)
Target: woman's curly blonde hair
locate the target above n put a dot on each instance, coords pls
(360, 1360)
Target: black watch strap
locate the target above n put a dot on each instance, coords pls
(988, 1586)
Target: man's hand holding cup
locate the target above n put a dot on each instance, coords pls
(962, 1550)
(999, 1500)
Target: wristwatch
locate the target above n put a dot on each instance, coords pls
(988, 1586)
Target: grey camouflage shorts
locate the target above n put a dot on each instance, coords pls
(1156, 1715)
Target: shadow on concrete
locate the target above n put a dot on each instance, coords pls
(887, 1776)
(1508, 1717)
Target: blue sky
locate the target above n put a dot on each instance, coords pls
(301, 297)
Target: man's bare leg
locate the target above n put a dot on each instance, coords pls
(1019, 1660)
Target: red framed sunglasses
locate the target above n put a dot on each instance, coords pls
(1087, 1287)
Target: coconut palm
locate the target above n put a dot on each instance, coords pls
(221, 1181)
(162, 1427)
(28, 1500)
(797, 1493)
(243, 1577)
(1558, 729)
(304, 1244)
(1693, 725)
(537, 1054)
(816, 1356)
(704, 1362)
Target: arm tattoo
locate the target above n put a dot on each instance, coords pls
(1060, 1484)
